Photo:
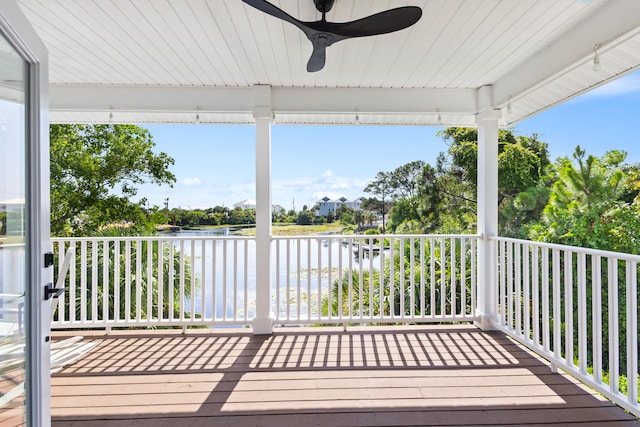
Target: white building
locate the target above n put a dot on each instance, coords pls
(251, 204)
(245, 204)
(326, 205)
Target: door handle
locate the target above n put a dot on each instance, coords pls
(51, 292)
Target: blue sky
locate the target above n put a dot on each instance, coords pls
(215, 164)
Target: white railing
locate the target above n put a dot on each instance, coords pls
(156, 281)
(13, 270)
(374, 279)
(187, 281)
(576, 307)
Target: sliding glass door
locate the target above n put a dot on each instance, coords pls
(24, 235)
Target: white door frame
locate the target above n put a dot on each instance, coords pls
(17, 30)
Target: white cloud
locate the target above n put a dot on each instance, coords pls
(190, 181)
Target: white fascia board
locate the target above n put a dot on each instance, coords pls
(102, 98)
(374, 100)
(611, 25)
(81, 99)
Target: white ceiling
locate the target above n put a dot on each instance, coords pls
(164, 61)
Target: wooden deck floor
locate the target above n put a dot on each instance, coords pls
(409, 376)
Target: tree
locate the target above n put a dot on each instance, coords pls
(95, 171)
(382, 187)
(584, 201)
(404, 180)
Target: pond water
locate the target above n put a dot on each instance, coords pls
(300, 272)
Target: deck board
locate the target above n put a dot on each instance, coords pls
(390, 376)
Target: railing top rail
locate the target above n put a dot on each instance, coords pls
(12, 245)
(377, 236)
(577, 249)
(149, 238)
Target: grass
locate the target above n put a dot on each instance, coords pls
(295, 230)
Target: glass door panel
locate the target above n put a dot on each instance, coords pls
(13, 236)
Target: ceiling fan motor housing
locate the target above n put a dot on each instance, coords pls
(324, 6)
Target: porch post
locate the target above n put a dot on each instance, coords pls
(263, 323)
(487, 120)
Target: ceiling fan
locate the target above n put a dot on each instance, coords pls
(323, 34)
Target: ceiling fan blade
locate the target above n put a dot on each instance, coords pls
(272, 10)
(380, 23)
(318, 58)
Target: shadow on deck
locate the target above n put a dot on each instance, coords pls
(385, 376)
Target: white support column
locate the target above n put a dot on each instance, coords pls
(487, 120)
(263, 321)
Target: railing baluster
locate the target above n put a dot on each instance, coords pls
(214, 279)
(463, 276)
(474, 284)
(224, 284)
(181, 284)
(65, 295)
(116, 280)
(510, 302)
(150, 253)
(360, 278)
(556, 304)
(127, 281)
(568, 306)
(401, 279)
(582, 313)
(245, 296)
(203, 277)
(422, 279)
(452, 268)
(171, 281)
(614, 342)
(309, 291)
(288, 272)
(381, 280)
(443, 278)
(535, 290)
(192, 282)
(545, 300)
(596, 316)
(518, 287)
(632, 332)
(350, 305)
(83, 281)
(319, 247)
(277, 280)
(502, 301)
(392, 285)
(329, 277)
(526, 292)
(340, 246)
(432, 271)
(160, 302)
(234, 298)
(94, 281)
(138, 279)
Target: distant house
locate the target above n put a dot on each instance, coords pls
(251, 204)
(326, 205)
(245, 204)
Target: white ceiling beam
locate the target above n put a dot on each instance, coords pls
(374, 101)
(615, 22)
(67, 99)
